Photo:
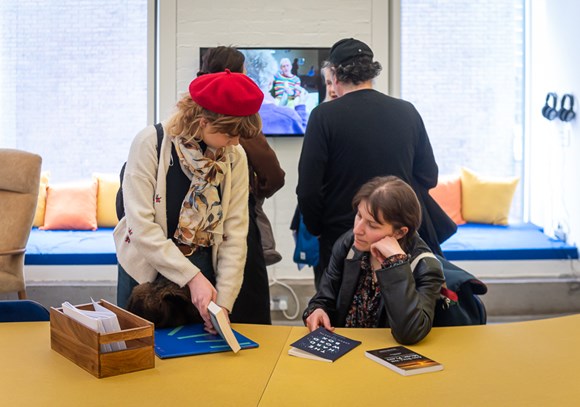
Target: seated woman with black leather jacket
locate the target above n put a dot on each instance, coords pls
(369, 281)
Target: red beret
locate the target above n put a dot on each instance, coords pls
(232, 94)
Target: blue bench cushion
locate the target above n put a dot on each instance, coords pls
(66, 247)
(523, 241)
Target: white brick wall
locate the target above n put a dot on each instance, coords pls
(73, 82)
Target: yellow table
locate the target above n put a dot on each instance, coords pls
(535, 363)
(31, 374)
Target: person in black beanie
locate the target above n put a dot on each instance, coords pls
(360, 135)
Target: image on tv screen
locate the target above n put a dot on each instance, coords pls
(292, 84)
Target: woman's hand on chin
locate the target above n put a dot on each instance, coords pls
(386, 247)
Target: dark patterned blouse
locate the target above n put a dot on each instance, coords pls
(365, 308)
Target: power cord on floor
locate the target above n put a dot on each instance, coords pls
(275, 281)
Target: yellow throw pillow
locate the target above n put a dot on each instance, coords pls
(71, 206)
(41, 202)
(106, 198)
(486, 199)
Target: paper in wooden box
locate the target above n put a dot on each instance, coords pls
(82, 345)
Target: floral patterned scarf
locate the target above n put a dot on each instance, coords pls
(201, 211)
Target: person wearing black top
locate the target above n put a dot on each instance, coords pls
(360, 135)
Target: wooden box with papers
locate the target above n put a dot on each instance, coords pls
(102, 338)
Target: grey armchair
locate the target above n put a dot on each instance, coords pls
(19, 183)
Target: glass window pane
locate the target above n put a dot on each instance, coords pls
(73, 82)
(462, 67)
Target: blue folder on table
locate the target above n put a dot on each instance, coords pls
(190, 340)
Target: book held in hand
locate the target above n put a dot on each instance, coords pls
(323, 345)
(403, 360)
(188, 340)
(220, 322)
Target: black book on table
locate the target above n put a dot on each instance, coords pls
(323, 345)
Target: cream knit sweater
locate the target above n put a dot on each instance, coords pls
(143, 248)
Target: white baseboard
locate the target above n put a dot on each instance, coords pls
(57, 273)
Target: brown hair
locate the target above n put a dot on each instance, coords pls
(185, 122)
(391, 200)
(219, 58)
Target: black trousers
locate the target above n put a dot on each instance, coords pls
(253, 303)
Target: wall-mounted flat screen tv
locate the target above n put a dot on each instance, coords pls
(292, 84)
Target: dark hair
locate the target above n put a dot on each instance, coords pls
(391, 200)
(220, 58)
(360, 70)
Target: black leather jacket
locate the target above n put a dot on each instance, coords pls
(408, 298)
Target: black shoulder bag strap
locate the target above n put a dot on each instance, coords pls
(159, 129)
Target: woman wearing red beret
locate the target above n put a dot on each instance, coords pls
(266, 177)
(182, 241)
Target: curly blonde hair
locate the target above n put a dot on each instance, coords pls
(185, 121)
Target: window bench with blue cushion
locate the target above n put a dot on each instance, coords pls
(70, 247)
(522, 241)
(472, 242)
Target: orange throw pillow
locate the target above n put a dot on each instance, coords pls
(447, 194)
(71, 206)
